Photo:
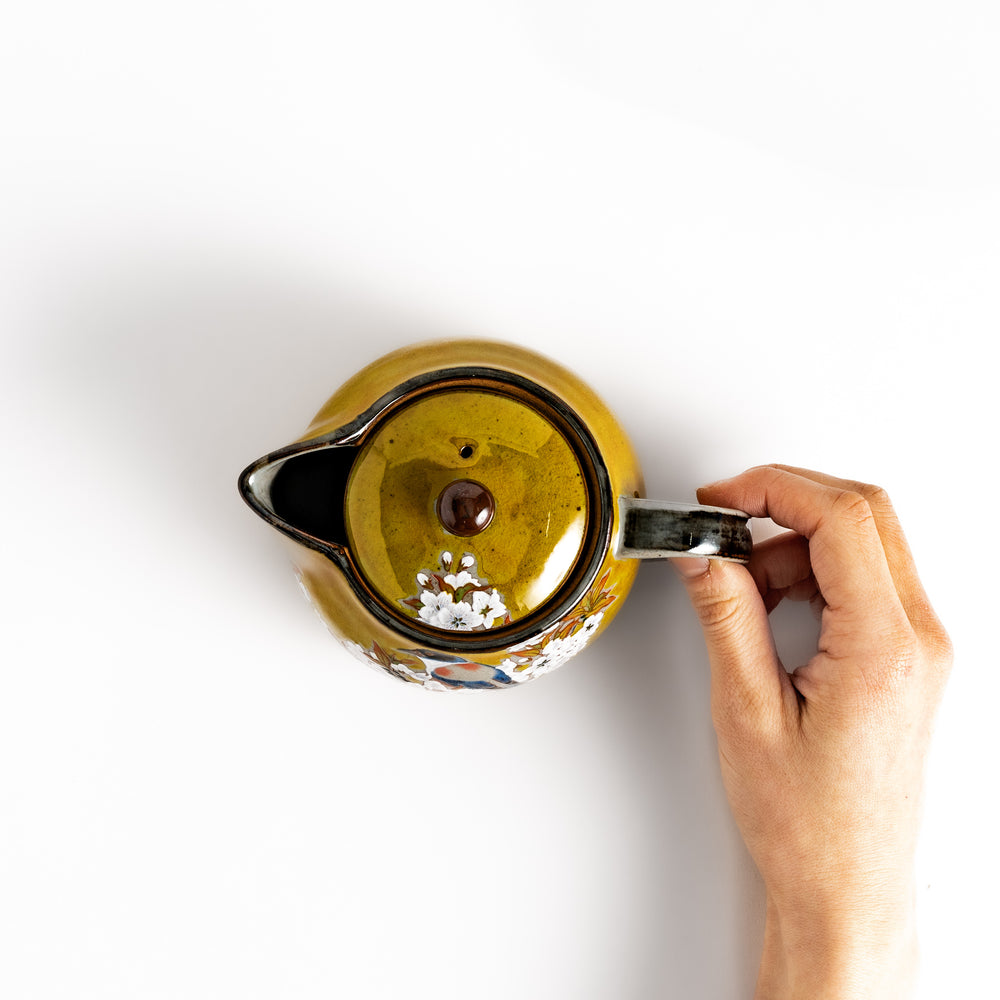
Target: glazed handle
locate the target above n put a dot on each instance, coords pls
(655, 529)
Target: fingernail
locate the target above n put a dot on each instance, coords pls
(690, 567)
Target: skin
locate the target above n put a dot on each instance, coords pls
(823, 766)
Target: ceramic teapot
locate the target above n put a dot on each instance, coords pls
(468, 514)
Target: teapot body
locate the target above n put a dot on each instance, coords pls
(455, 515)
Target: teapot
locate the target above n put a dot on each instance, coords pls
(468, 514)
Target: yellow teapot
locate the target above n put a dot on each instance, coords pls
(468, 514)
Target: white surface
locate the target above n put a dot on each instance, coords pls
(763, 232)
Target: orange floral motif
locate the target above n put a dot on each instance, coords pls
(565, 639)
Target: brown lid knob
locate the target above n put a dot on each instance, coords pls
(465, 507)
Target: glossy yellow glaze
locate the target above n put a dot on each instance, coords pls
(325, 584)
(535, 536)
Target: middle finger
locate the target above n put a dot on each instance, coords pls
(781, 569)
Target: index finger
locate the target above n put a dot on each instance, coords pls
(848, 559)
(897, 551)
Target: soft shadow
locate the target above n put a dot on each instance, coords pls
(178, 372)
(700, 895)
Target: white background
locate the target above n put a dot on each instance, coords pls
(763, 232)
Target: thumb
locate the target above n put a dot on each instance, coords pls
(747, 676)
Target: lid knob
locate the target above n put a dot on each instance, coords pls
(465, 507)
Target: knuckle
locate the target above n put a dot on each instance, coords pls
(852, 508)
(876, 496)
(720, 612)
(934, 640)
(907, 662)
(940, 647)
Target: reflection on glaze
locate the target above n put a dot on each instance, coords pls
(553, 572)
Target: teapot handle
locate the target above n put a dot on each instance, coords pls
(659, 529)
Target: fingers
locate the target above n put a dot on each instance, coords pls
(847, 555)
(749, 685)
(849, 563)
(897, 551)
(781, 569)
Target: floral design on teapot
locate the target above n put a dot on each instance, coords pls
(405, 669)
(438, 671)
(456, 598)
(565, 639)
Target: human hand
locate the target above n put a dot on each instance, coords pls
(823, 767)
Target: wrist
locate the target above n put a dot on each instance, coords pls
(840, 954)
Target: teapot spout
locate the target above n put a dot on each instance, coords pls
(300, 491)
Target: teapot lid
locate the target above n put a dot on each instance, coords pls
(472, 505)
